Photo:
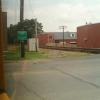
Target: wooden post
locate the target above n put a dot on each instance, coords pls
(2, 82)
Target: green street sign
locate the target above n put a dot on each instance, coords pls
(22, 35)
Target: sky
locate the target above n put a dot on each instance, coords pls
(55, 13)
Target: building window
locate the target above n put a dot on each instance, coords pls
(72, 35)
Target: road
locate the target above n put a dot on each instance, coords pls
(57, 79)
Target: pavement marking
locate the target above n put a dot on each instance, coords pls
(78, 78)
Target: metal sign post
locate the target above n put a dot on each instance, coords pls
(22, 36)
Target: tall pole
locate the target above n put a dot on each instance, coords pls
(36, 44)
(21, 20)
(63, 29)
(2, 80)
(21, 10)
(63, 36)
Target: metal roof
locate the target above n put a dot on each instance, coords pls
(67, 35)
(59, 35)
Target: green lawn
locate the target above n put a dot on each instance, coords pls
(15, 55)
(35, 55)
(42, 54)
(12, 55)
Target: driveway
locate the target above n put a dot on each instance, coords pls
(57, 79)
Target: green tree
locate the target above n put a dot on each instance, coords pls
(26, 25)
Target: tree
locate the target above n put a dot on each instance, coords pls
(26, 25)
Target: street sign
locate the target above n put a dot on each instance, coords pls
(22, 35)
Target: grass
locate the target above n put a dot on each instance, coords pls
(13, 54)
(35, 55)
(62, 54)
(28, 55)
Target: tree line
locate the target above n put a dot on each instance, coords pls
(26, 25)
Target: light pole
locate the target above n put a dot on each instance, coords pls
(63, 30)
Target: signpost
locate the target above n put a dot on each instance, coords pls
(22, 36)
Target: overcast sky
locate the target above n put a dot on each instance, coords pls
(55, 13)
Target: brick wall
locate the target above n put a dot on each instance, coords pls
(89, 36)
(45, 39)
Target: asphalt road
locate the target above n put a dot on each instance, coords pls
(57, 79)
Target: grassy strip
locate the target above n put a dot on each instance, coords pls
(42, 54)
(35, 55)
(15, 55)
(12, 55)
(62, 54)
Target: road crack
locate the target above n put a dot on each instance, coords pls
(78, 78)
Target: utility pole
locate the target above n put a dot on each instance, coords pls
(21, 20)
(63, 30)
(36, 41)
(21, 10)
(2, 80)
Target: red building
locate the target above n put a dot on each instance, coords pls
(45, 38)
(56, 38)
(70, 38)
(88, 36)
